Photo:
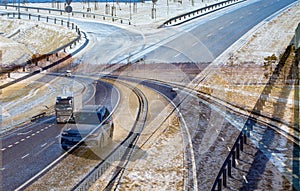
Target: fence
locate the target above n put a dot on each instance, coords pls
(234, 154)
(73, 13)
(199, 12)
(9, 69)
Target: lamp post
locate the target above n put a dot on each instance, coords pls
(19, 10)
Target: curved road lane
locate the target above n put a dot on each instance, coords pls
(28, 151)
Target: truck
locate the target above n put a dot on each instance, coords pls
(92, 126)
(64, 109)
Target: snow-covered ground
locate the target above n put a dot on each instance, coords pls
(226, 75)
(21, 39)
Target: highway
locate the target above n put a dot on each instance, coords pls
(28, 150)
(206, 38)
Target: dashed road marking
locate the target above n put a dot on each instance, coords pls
(22, 140)
(24, 133)
(43, 145)
(37, 132)
(209, 35)
(17, 142)
(32, 134)
(9, 146)
(3, 149)
(195, 44)
(25, 156)
(27, 137)
(177, 55)
(244, 177)
(2, 169)
(221, 28)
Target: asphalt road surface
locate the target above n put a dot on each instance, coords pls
(27, 151)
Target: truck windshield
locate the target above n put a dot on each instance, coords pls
(63, 104)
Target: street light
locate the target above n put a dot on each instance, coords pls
(19, 10)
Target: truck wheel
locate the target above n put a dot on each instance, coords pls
(65, 148)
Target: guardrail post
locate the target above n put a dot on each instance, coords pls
(62, 22)
(39, 17)
(220, 184)
(54, 20)
(229, 168)
(29, 16)
(245, 138)
(47, 19)
(242, 143)
(8, 74)
(38, 10)
(233, 160)
(238, 151)
(224, 178)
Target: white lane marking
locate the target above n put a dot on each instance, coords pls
(195, 44)
(241, 17)
(2, 169)
(231, 22)
(209, 35)
(27, 137)
(43, 145)
(222, 139)
(221, 28)
(32, 134)
(37, 132)
(46, 127)
(250, 13)
(58, 136)
(244, 177)
(9, 146)
(3, 149)
(25, 133)
(25, 156)
(22, 140)
(177, 55)
(17, 142)
(42, 130)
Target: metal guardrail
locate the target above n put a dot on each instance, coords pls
(73, 13)
(116, 155)
(46, 56)
(198, 13)
(230, 161)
